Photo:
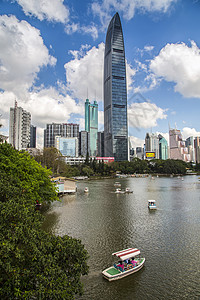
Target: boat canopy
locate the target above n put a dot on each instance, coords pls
(126, 253)
(151, 200)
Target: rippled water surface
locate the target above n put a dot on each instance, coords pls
(169, 238)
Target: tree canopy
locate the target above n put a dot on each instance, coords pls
(34, 264)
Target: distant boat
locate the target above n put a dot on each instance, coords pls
(128, 263)
(86, 190)
(117, 184)
(128, 190)
(152, 204)
(119, 191)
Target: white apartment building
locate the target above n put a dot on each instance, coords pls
(19, 128)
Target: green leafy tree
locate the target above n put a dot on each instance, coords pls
(34, 264)
(87, 171)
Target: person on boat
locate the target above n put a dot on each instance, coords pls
(120, 266)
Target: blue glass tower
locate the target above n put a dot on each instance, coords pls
(91, 124)
(115, 93)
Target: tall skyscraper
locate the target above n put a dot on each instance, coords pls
(57, 129)
(91, 124)
(189, 143)
(178, 150)
(163, 147)
(84, 143)
(33, 137)
(152, 144)
(100, 144)
(19, 128)
(115, 93)
(197, 149)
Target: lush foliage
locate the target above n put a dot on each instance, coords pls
(138, 166)
(33, 264)
(53, 159)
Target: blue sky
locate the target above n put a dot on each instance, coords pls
(51, 59)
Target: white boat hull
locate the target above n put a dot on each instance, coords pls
(121, 274)
(152, 207)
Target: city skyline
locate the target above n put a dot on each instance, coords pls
(50, 63)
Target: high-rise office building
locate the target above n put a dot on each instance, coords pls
(115, 93)
(100, 144)
(57, 129)
(152, 144)
(91, 124)
(84, 143)
(197, 149)
(19, 128)
(163, 147)
(189, 143)
(178, 150)
(139, 152)
(68, 146)
(33, 137)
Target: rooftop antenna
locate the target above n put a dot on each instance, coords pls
(95, 95)
(87, 92)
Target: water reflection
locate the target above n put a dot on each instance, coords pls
(168, 238)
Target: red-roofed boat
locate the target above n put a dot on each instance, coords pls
(129, 262)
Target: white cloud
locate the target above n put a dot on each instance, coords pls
(187, 132)
(45, 106)
(100, 120)
(22, 55)
(130, 73)
(136, 142)
(145, 115)
(52, 10)
(53, 107)
(76, 27)
(180, 64)
(127, 8)
(148, 48)
(84, 73)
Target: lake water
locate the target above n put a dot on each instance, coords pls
(169, 238)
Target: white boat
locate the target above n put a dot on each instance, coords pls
(128, 263)
(86, 190)
(152, 204)
(117, 184)
(128, 191)
(119, 191)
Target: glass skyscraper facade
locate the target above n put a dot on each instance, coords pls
(58, 129)
(91, 124)
(163, 147)
(115, 93)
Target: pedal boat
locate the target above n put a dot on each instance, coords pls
(152, 204)
(128, 263)
(86, 190)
